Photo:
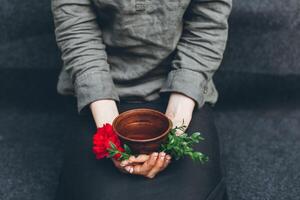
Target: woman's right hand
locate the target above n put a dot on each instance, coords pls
(144, 165)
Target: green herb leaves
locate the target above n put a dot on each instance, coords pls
(176, 146)
(119, 154)
(182, 145)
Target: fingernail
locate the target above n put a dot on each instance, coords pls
(131, 170)
(127, 168)
(168, 157)
(155, 154)
(163, 153)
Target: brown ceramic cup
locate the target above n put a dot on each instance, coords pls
(142, 129)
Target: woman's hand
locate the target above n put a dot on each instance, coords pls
(104, 111)
(180, 109)
(145, 165)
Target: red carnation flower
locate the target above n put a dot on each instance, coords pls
(102, 140)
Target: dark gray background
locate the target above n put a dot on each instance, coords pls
(258, 114)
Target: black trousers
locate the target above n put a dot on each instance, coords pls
(85, 178)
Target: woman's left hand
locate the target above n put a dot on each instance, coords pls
(145, 165)
(180, 109)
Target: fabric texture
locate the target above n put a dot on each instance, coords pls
(140, 49)
(84, 177)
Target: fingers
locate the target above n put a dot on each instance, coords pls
(117, 165)
(178, 123)
(139, 159)
(167, 162)
(152, 160)
(161, 163)
(129, 169)
(179, 132)
(135, 160)
(124, 163)
(141, 169)
(146, 165)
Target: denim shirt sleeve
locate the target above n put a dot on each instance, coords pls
(83, 52)
(200, 48)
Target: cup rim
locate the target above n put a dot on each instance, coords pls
(144, 140)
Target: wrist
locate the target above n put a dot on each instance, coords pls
(180, 103)
(180, 110)
(104, 111)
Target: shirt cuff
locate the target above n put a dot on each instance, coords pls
(190, 83)
(93, 86)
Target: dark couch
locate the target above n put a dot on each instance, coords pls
(258, 114)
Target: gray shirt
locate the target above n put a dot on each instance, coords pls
(140, 49)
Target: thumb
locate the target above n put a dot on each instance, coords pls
(180, 123)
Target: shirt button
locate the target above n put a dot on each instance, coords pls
(140, 5)
(205, 90)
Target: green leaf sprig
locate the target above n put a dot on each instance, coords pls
(182, 145)
(178, 146)
(113, 150)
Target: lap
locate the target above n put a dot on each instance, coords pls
(85, 178)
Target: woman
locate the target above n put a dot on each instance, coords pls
(120, 55)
